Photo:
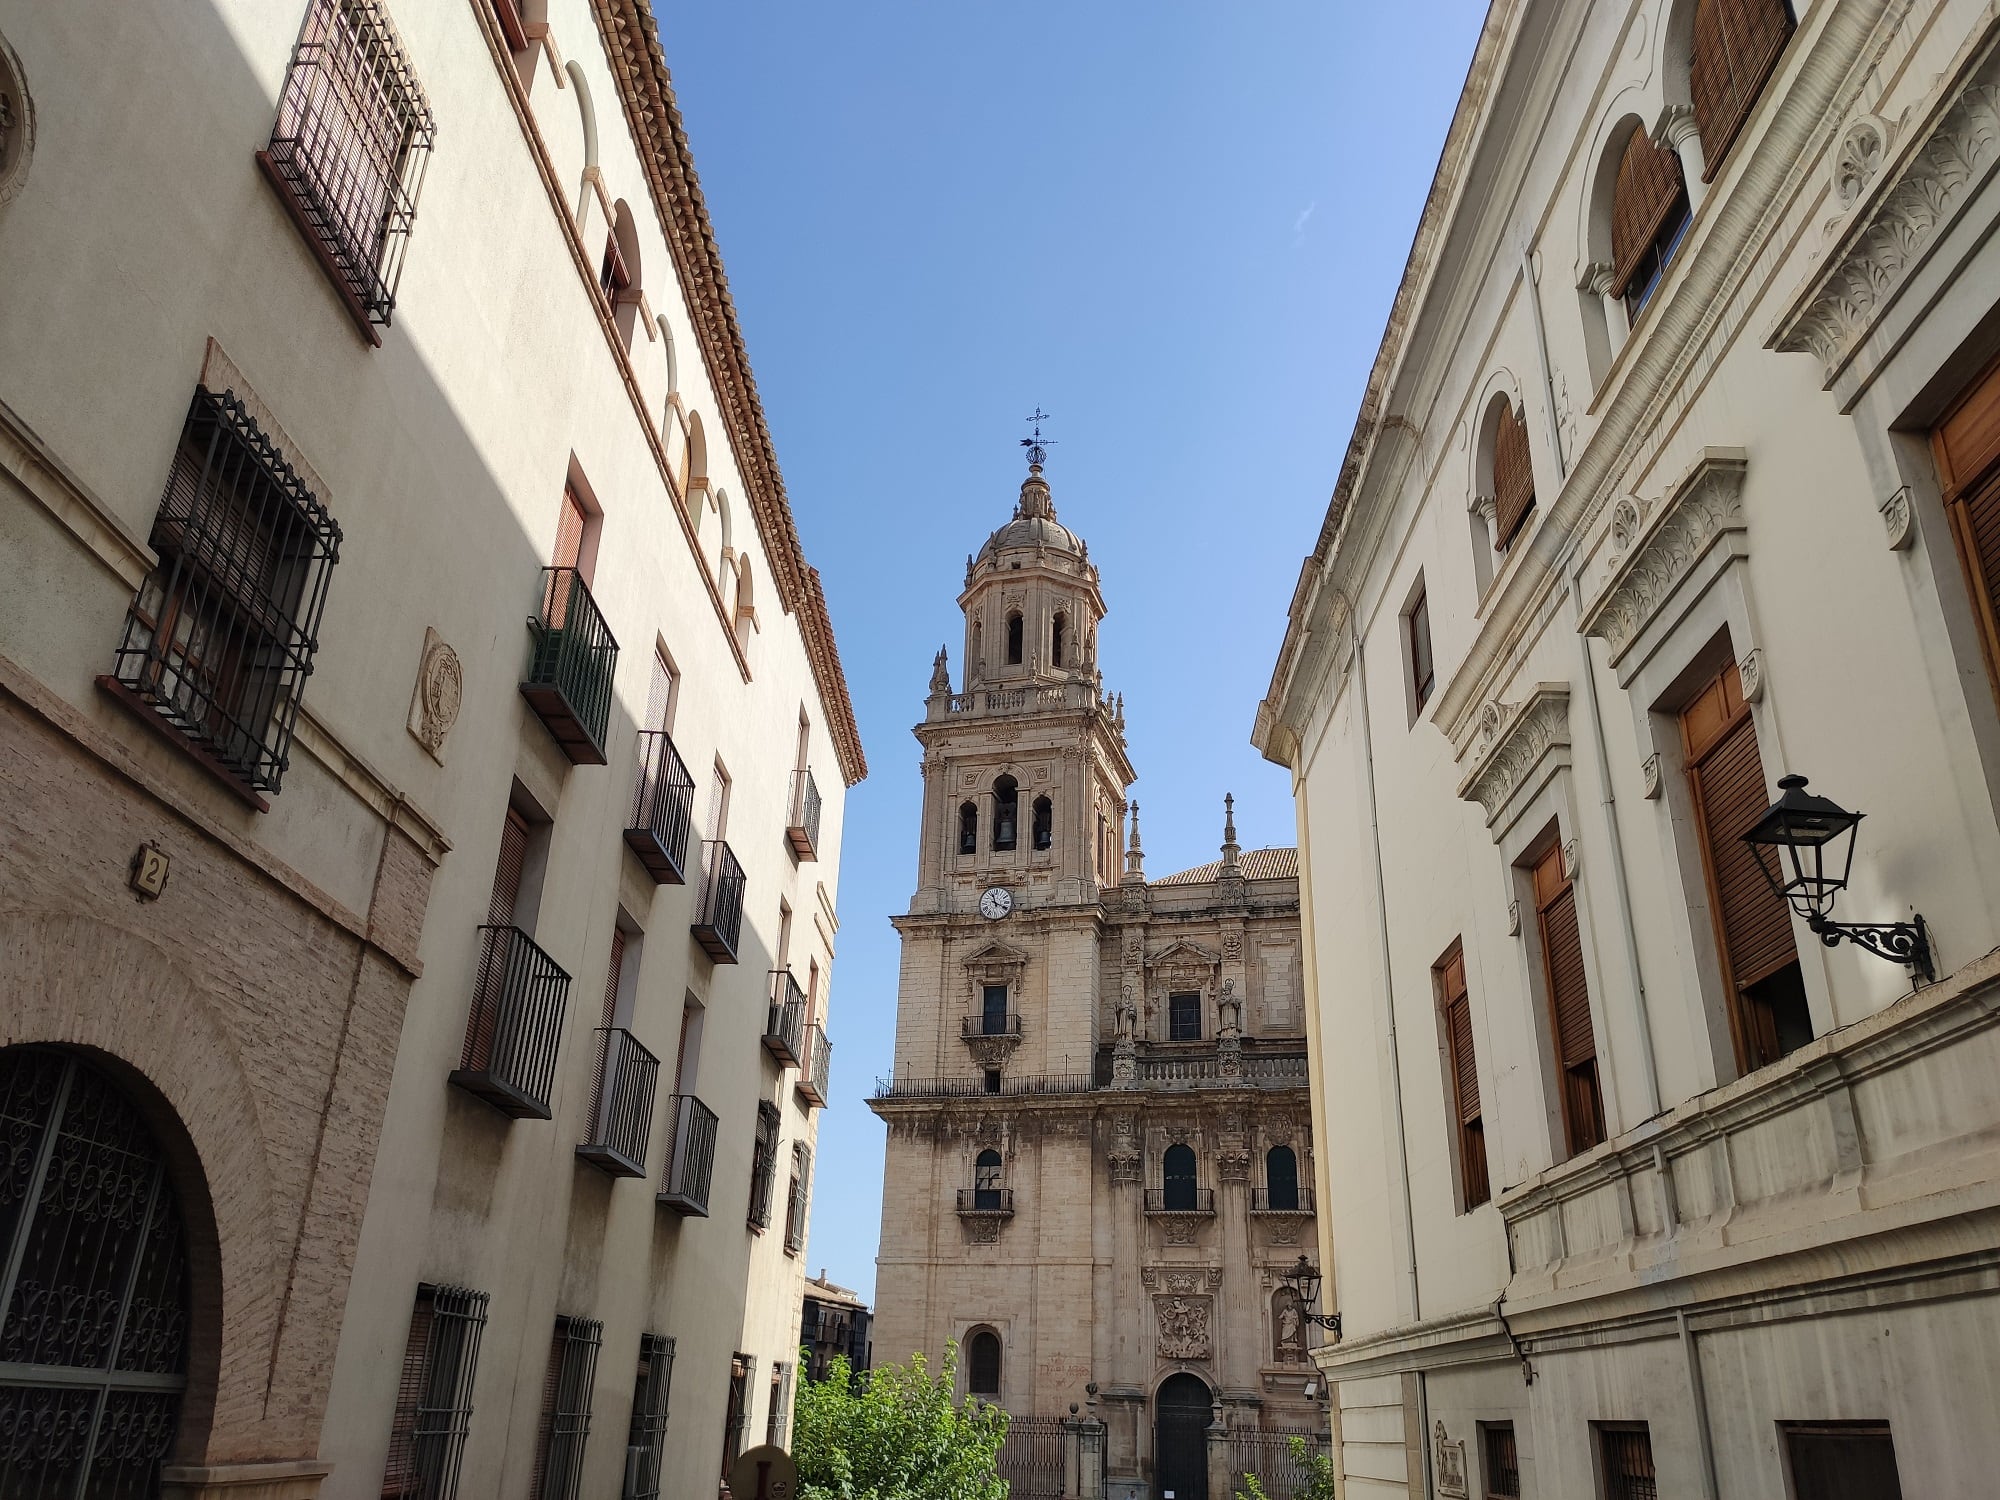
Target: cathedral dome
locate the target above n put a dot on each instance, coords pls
(1034, 523)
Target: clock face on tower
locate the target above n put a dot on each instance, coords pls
(996, 902)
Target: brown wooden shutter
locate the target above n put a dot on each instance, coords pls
(1967, 444)
(507, 873)
(400, 1479)
(1569, 1003)
(569, 532)
(551, 1383)
(1470, 1129)
(612, 974)
(1513, 477)
(1649, 186)
(1736, 45)
(1423, 670)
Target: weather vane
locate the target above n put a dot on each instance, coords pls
(1037, 446)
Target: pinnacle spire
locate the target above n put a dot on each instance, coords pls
(1135, 857)
(1230, 848)
(940, 673)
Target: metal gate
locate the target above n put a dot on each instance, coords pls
(1031, 1458)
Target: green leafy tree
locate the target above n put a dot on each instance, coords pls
(898, 1435)
(1318, 1469)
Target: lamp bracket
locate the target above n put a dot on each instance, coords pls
(1329, 1321)
(1899, 942)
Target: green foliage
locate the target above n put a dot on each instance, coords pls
(897, 1435)
(1319, 1475)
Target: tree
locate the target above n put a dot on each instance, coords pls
(898, 1434)
(1317, 1467)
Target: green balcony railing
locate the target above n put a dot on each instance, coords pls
(571, 667)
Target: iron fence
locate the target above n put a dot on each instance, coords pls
(690, 1156)
(515, 1027)
(802, 827)
(662, 809)
(718, 919)
(990, 1024)
(1188, 1200)
(1031, 1458)
(571, 666)
(1298, 1200)
(967, 1088)
(1269, 1456)
(818, 1065)
(986, 1200)
(785, 1023)
(622, 1123)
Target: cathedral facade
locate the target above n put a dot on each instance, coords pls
(1099, 1135)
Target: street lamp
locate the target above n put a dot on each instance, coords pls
(1304, 1280)
(1803, 834)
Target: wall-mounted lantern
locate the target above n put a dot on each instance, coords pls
(1304, 1280)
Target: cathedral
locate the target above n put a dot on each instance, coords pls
(1099, 1129)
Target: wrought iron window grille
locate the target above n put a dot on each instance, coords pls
(221, 637)
(433, 1411)
(690, 1164)
(802, 826)
(347, 155)
(763, 1166)
(646, 1442)
(800, 1197)
(566, 1408)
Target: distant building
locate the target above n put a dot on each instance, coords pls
(835, 1322)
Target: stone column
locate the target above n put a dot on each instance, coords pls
(1677, 128)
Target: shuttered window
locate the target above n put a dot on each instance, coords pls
(433, 1409)
(1649, 211)
(1513, 478)
(1462, 1078)
(1736, 45)
(1967, 444)
(646, 1440)
(1625, 1453)
(570, 523)
(566, 1393)
(1423, 670)
(1753, 927)
(507, 873)
(1569, 1003)
(1842, 1461)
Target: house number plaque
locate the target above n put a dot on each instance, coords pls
(149, 871)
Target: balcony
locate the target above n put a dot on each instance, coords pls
(785, 1026)
(1298, 1201)
(516, 1023)
(718, 917)
(569, 672)
(1181, 1201)
(817, 1065)
(995, 1025)
(623, 1118)
(690, 1156)
(996, 1202)
(802, 821)
(662, 810)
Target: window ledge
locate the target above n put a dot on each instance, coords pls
(295, 210)
(115, 690)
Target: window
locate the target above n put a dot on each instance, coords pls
(1184, 1018)
(993, 1010)
(1841, 1461)
(1045, 823)
(746, 603)
(982, 1363)
(1736, 46)
(612, 277)
(797, 1198)
(1281, 1180)
(1462, 1078)
(94, 1264)
(1503, 1462)
(618, 277)
(968, 828)
(646, 1443)
(1058, 629)
(221, 638)
(1513, 477)
(1967, 447)
(737, 1410)
(1649, 214)
(1753, 925)
(434, 1394)
(1014, 639)
(718, 803)
(347, 155)
(1177, 1179)
(986, 1180)
(1006, 811)
(1423, 673)
(1625, 1460)
(566, 1392)
(1569, 1003)
(781, 1389)
(763, 1164)
(991, 1080)
(663, 693)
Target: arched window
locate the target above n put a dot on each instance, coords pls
(618, 277)
(1045, 823)
(1513, 476)
(1057, 631)
(986, 1181)
(1649, 215)
(1281, 1180)
(982, 1363)
(746, 604)
(725, 551)
(968, 828)
(694, 463)
(1177, 1179)
(94, 1281)
(1006, 811)
(1736, 46)
(1014, 639)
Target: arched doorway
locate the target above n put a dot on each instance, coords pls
(1180, 1439)
(93, 1283)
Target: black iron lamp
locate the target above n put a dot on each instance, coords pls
(1304, 1279)
(1799, 846)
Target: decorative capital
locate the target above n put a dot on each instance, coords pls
(1517, 745)
(1676, 126)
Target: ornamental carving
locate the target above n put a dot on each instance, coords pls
(17, 124)
(1898, 520)
(440, 692)
(1516, 741)
(1652, 550)
(1181, 1229)
(1124, 1157)
(1288, 1328)
(992, 1051)
(1896, 215)
(1183, 1326)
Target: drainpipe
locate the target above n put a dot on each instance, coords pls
(1548, 373)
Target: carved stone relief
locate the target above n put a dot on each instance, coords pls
(17, 124)
(1515, 740)
(1288, 1328)
(440, 691)
(1653, 549)
(1183, 1326)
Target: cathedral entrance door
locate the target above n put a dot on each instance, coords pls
(1180, 1439)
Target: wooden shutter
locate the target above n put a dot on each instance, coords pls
(1468, 1125)
(569, 532)
(400, 1477)
(1513, 477)
(612, 974)
(506, 896)
(1649, 186)
(551, 1383)
(1569, 1003)
(1967, 445)
(1423, 671)
(1736, 45)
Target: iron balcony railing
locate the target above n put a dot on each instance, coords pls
(1297, 1201)
(622, 1122)
(690, 1156)
(570, 670)
(718, 917)
(512, 1035)
(1180, 1200)
(994, 1024)
(967, 1088)
(662, 809)
(785, 1023)
(986, 1200)
(802, 823)
(818, 1064)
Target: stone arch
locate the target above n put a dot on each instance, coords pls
(1502, 391)
(133, 1011)
(625, 299)
(673, 360)
(744, 617)
(586, 109)
(985, 1371)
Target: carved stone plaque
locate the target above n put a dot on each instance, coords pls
(440, 692)
(1183, 1326)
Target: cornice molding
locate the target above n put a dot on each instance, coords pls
(1514, 744)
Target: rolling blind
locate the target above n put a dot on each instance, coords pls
(1736, 45)
(507, 872)
(569, 533)
(1569, 1003)
(1967, 443)
(1649, 185)
(1513, 478)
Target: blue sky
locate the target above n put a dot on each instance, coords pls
(1176, 227)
